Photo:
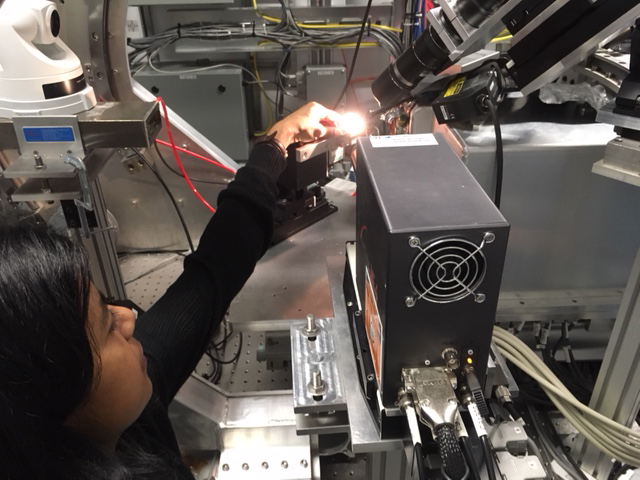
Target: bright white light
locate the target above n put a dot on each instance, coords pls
(352, 124)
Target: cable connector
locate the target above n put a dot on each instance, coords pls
(476, 389)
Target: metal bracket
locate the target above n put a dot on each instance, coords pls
(83, 203)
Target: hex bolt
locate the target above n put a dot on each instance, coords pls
(410, 302)
(414, 242)
(317, 386)
(304, 463)
(489, 237)
(284, 464)
(311, 329)
(481, 297)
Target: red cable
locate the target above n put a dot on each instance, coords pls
(177, 157)
(198, 156)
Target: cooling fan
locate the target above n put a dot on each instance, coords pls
(448, 269)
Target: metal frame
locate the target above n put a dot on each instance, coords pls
(617, 390)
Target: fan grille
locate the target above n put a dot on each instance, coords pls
(448, 270)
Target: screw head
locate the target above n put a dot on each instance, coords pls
(370, 377)
(225, 468)
(410, 302)
(284, 464)
(481, 297)
(469, 352)
(245, 466)
(349, 304)
(414, 242)
(427, 362)
(489, 237)
(265, 465)
(304, 463)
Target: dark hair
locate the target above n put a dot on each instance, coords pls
(47, 362)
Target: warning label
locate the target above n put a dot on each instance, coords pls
(455, 87)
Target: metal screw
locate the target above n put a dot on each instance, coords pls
(245, 466)
(304, 463)
(370, 377)
(115, 71)
(94, 35)
(481, 297)
(489, 237)
(618, 139)
(225, 467)
(349, 304)
(284, 464)
(100, 75)
(317, 387)
(427, 362)
(414, 242)
(311, 329)
(410, 302)
(39, 163)
(265, 465)
(357, 313)
(469, 352)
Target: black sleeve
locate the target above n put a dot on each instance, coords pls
(177, 328)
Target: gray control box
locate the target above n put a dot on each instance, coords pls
(212, 101)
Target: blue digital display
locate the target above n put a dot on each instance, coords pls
(48, 134)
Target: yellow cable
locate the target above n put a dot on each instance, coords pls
(500, 39)
(324, 25)
(346, 25)
(266, 97)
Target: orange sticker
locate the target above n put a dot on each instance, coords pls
(373, 327)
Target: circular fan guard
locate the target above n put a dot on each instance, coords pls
(448, 270)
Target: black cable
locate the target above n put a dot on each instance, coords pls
(179, 174)
(471, 461)
(171, 197)
(499, 150)
(237, 354)
(488, 458)
(355, 55)
(417, 458)
(513, 411)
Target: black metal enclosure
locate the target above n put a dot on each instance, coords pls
(430, 250)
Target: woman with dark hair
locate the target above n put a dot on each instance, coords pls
(83, 396)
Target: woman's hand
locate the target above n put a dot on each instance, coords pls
(307, 124)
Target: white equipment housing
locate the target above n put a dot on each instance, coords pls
(30, 44)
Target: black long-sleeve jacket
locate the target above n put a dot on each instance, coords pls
(177, 328)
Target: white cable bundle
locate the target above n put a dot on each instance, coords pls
(610, 437)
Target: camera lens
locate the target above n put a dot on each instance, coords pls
(55, 23)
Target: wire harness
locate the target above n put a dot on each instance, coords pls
(612, 438)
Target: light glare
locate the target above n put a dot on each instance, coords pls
(352, 124)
